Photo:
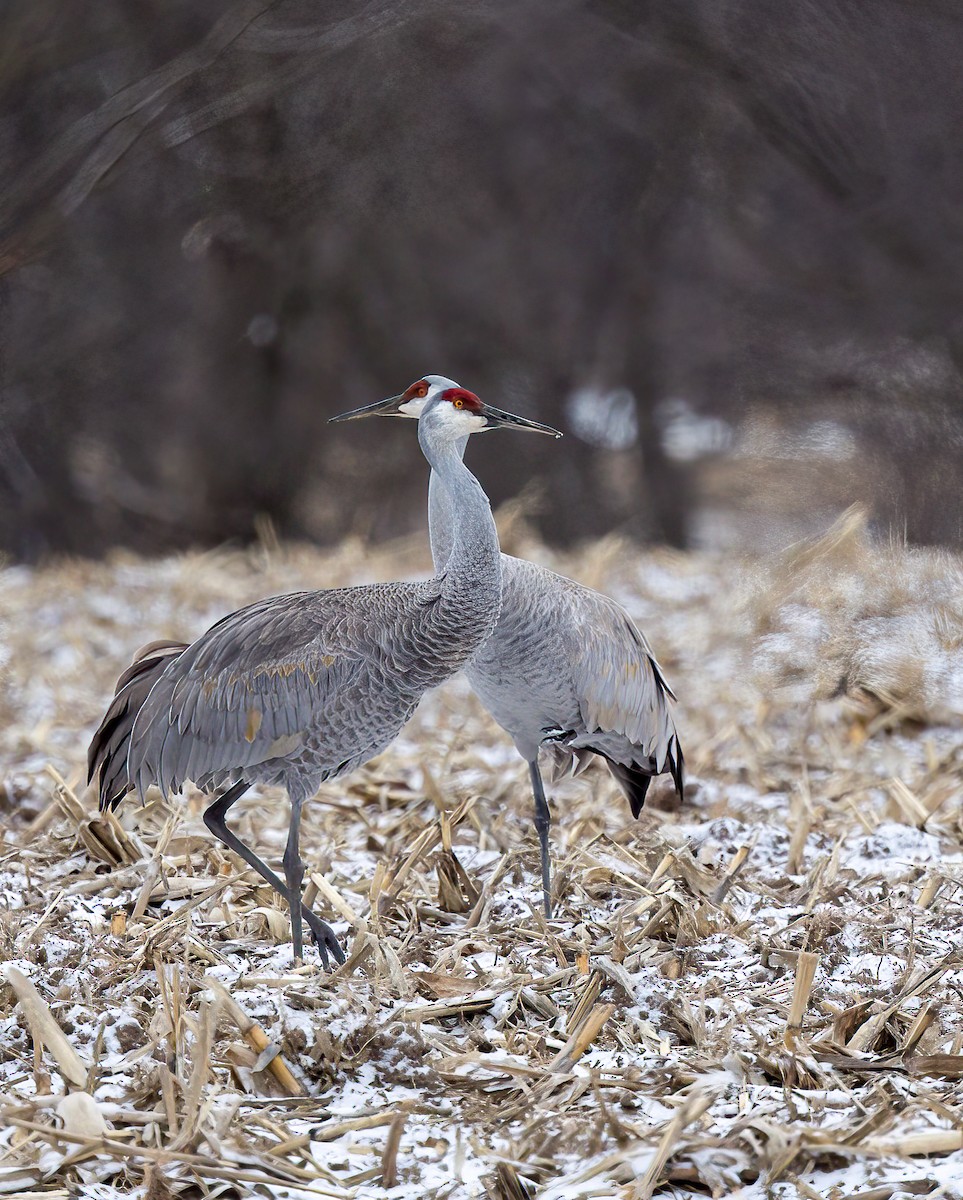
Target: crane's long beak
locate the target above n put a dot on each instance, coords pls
(497, 419)
(380, 408)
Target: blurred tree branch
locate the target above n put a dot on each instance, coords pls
(220, 225)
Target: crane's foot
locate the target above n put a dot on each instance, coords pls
(324, 937)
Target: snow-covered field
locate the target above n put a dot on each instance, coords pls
(755, 995)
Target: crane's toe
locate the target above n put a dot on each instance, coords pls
(324, 936)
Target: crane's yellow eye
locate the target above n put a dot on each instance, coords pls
(462, 398)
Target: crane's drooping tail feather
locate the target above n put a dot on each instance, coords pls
(632, 778)
(676, 765)
(108, 748)
(566, 762)
(634, 781)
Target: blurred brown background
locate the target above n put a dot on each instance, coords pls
(718, 242)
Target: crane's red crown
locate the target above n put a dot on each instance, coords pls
(417, 391)
(462, 398)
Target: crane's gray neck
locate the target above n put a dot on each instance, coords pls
(440, 515)
(470, 564)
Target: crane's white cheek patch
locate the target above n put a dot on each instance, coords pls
(459, 420)
(411, 408)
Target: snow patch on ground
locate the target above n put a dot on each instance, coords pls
(474, 1046)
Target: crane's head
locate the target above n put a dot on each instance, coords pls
(410, 403)
(467, 413)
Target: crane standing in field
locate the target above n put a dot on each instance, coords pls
(296, 689)
(565, 669)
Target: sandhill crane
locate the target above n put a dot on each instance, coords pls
(566, 667)
(300, 688)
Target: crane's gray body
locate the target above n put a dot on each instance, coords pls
(305, 687)
(566, 668)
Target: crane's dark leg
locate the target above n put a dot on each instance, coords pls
(294, 874)
(215, 820)
(543, 821)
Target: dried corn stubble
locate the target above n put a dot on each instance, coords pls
(467, 1038)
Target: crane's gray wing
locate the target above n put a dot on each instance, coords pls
(107, 756)
(250, 689)
(620, 686)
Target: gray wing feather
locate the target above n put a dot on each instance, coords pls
(107, 757)
(245, 691)
(619, 683)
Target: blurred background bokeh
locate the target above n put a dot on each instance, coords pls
(718, 242)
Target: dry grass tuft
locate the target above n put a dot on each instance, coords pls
(880, 624)
(755, 994)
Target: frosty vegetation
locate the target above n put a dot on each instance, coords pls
(755, 994)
